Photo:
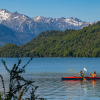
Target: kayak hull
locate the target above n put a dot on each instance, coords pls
(79, 78)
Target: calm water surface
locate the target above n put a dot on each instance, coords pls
(47, 73)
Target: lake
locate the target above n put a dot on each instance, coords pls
(47, 73)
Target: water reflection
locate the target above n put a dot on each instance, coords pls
(93, 83)
(85, 89)
(82, 82)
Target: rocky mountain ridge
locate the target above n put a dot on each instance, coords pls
(23, 23)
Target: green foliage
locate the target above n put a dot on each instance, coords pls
(18, 84)
(70, 43)
(1, 95)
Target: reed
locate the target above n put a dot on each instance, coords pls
(16, 88)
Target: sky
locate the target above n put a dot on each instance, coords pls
(85, 10)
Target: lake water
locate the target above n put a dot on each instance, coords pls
(47, 73)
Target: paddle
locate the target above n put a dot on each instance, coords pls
(77, 74)
(86, 70)
(73, 71)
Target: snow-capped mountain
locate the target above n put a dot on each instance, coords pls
(62, 23)
(70, 21)
(23, 23)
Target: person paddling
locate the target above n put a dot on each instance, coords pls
(94, 74)
(81, 74)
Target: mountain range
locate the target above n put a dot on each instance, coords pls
(69, 43)
(27, 28)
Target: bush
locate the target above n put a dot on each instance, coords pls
(18, 85)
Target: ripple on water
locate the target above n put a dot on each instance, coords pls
(52, 88)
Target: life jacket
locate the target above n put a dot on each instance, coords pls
(81, 75)
(93, 75)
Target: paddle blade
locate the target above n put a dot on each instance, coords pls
(84, 78)
(85, 69)
(70, 69)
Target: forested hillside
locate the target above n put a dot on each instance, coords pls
(8, 35)
(68, 43)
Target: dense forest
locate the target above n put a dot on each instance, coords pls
(69, 43)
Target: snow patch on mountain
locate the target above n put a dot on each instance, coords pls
(38, 18)
(15, 17)
(4, 15)
(73, 21)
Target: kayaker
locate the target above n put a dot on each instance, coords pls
(81, 74)
(94, 74)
